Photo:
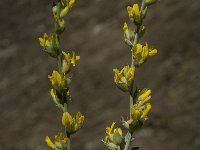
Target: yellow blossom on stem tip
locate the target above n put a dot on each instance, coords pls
(44, 41)
(144, 97)
(50, 44)
(114, 136)
(126, 31)
(141, 53)
(111, 130)
(67, 5)
(138, 117)
(55, 79)
(141, 97)
(128, 35)
(69, 61)
(60, 142)
(72, 124)
(146, 111)
(136, 113)
(124, 78)
(135, 14)
(139, 111)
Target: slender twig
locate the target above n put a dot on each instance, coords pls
(136, 39)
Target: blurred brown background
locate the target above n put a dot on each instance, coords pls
(94, 30)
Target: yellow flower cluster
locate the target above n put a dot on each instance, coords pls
(114, 137)
(141, 53)
(60, 80)
(50, 44)
(72, 124)
(60, 142)
(135, 14)
(69, 61)
(139, 111)
(61, 84)
(124, 78)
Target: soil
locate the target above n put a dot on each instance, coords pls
(94, 31)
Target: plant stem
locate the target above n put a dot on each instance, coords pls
(136, 39)
(132, 65)
(65, 107)
(68, 143)
(128, 143)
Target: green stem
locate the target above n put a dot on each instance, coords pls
(128, 143)
(136, 39)
(132, 65)
(65, 108)
(68, 142)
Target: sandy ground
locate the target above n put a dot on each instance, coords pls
(94, 31)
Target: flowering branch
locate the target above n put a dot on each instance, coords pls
(124, 79)
(61, 79)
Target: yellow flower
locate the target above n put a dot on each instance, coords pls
(135, 13)
(69, 61)
(143, 97)
(128, 35)
(141, 53)
(60, 142)
(126, 31)
(136, 113)
(139, 111)
(124, 78)
(72, 124)
(44, 40)
(110, 130)
(146, 111)
(138, 116)
(114, 136)
(67, 4)
(56, 100)
(50, 44)
(56, 79)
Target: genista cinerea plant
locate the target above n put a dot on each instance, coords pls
(116, 138)
(61, 79)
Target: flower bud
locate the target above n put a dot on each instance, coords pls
(149, 2)
(128, 35)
